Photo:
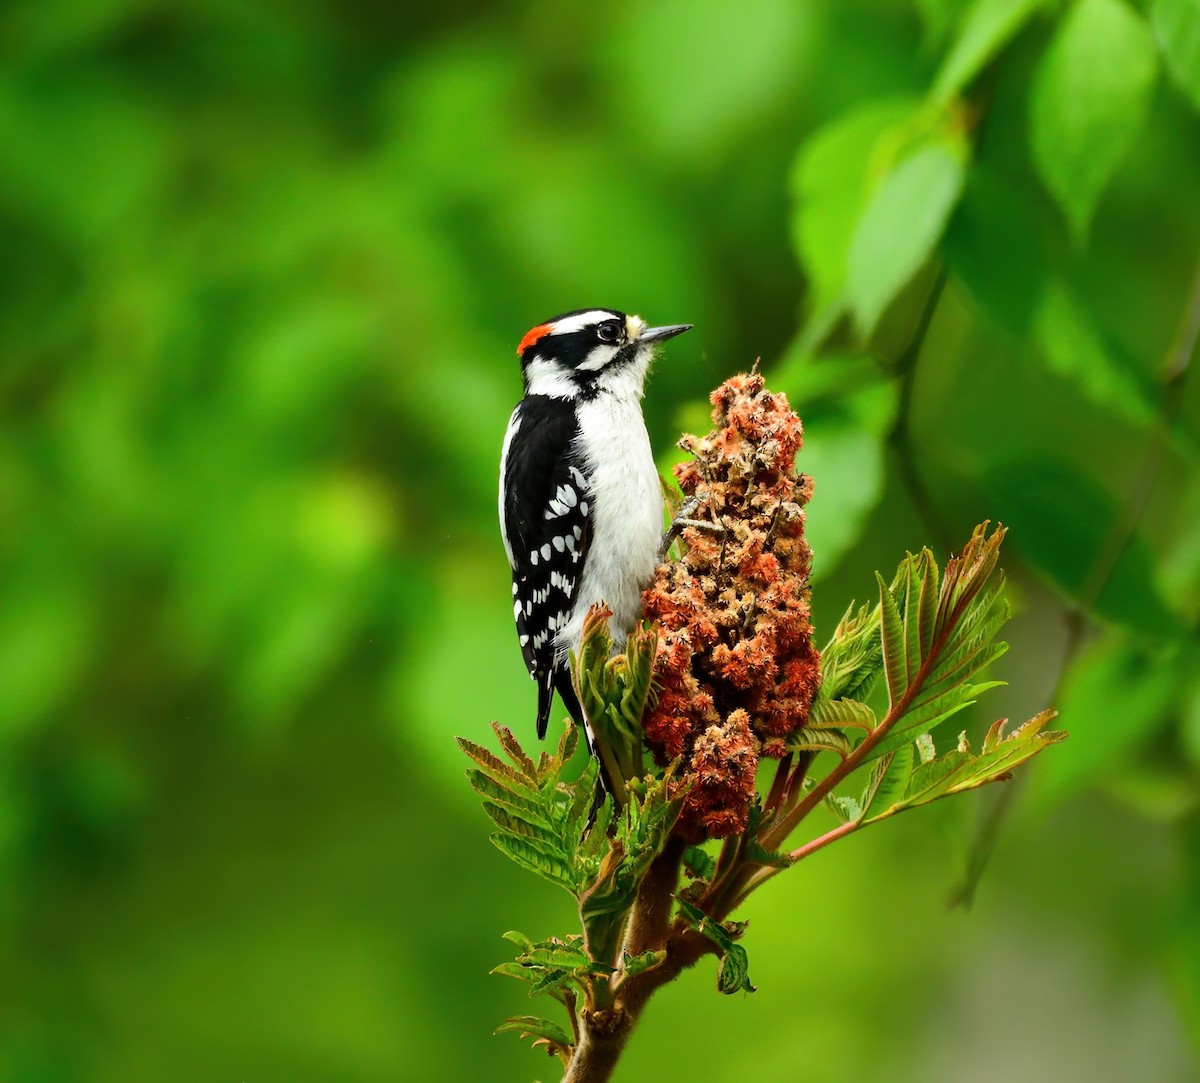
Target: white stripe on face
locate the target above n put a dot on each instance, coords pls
(580, 320)
(546, 378)
(598, 358)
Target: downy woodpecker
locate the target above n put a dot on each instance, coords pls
(581, 509)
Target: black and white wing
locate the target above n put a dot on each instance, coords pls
(545, 517)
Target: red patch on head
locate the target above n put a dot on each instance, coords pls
(532, 336)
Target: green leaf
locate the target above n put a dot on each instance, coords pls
(961, 769)
(985, 30)
(668, 95)
(887, 783)
(536, 857)
(1063, 518)
(1090, 97)
(841, 714)
(733, 974)
(639, 964)
(646, 820)
(831, 181)
(853, 658)
(998, 244)
(901, 227)
(844, 448)
(614, 691)
(846, 809)
(941, 639)
(699, 863)
(551, 956)
(826, 739)
(541, 1030)
(1176, 25)
(1117, 694)
(1073, 348)
(895, 660)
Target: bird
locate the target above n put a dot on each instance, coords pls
(580, 503)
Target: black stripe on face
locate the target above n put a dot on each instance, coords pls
(572, 348)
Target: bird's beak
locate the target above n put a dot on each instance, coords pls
(661, 334)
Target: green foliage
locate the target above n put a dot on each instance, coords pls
(937, 636)
(733, 973)
(901, 225)
(543, 820)
(541, 1031)
(986, 29)
(614, 692)
(935, 633)
(1177, 27)
(929, 636)
(831, 179)
(958, 770)
(642, 828)
(265, 267)
(852, 660)
(1090, 101)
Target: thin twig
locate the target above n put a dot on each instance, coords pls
(900, 435)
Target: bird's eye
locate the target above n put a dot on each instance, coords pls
(609, 331)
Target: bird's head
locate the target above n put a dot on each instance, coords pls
(594, 349)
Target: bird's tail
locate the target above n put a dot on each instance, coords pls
(545, 699)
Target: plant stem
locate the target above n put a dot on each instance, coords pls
(603, 1035)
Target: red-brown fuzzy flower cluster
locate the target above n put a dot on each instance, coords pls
(736, 664)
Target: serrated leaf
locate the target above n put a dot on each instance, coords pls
(552, 983)
(985, 30)
(826, 739)
(1176, 25)
(1090, 97)
(512, 823)
(733, 974)
(901, 226)
(543, 1030)
(547, 956)
(888, 781)
(532, 855)
(519, 939)
(522, 802)
(895, 666)
(517, 754)
(846, 809)
(639, 964)
(841, 714)
(514, 970)
(960, 769)
(925, 617)
(759, 854)
(853, 658)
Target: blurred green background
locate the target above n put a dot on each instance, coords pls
(263, 268)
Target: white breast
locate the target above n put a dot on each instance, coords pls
(628, 517)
